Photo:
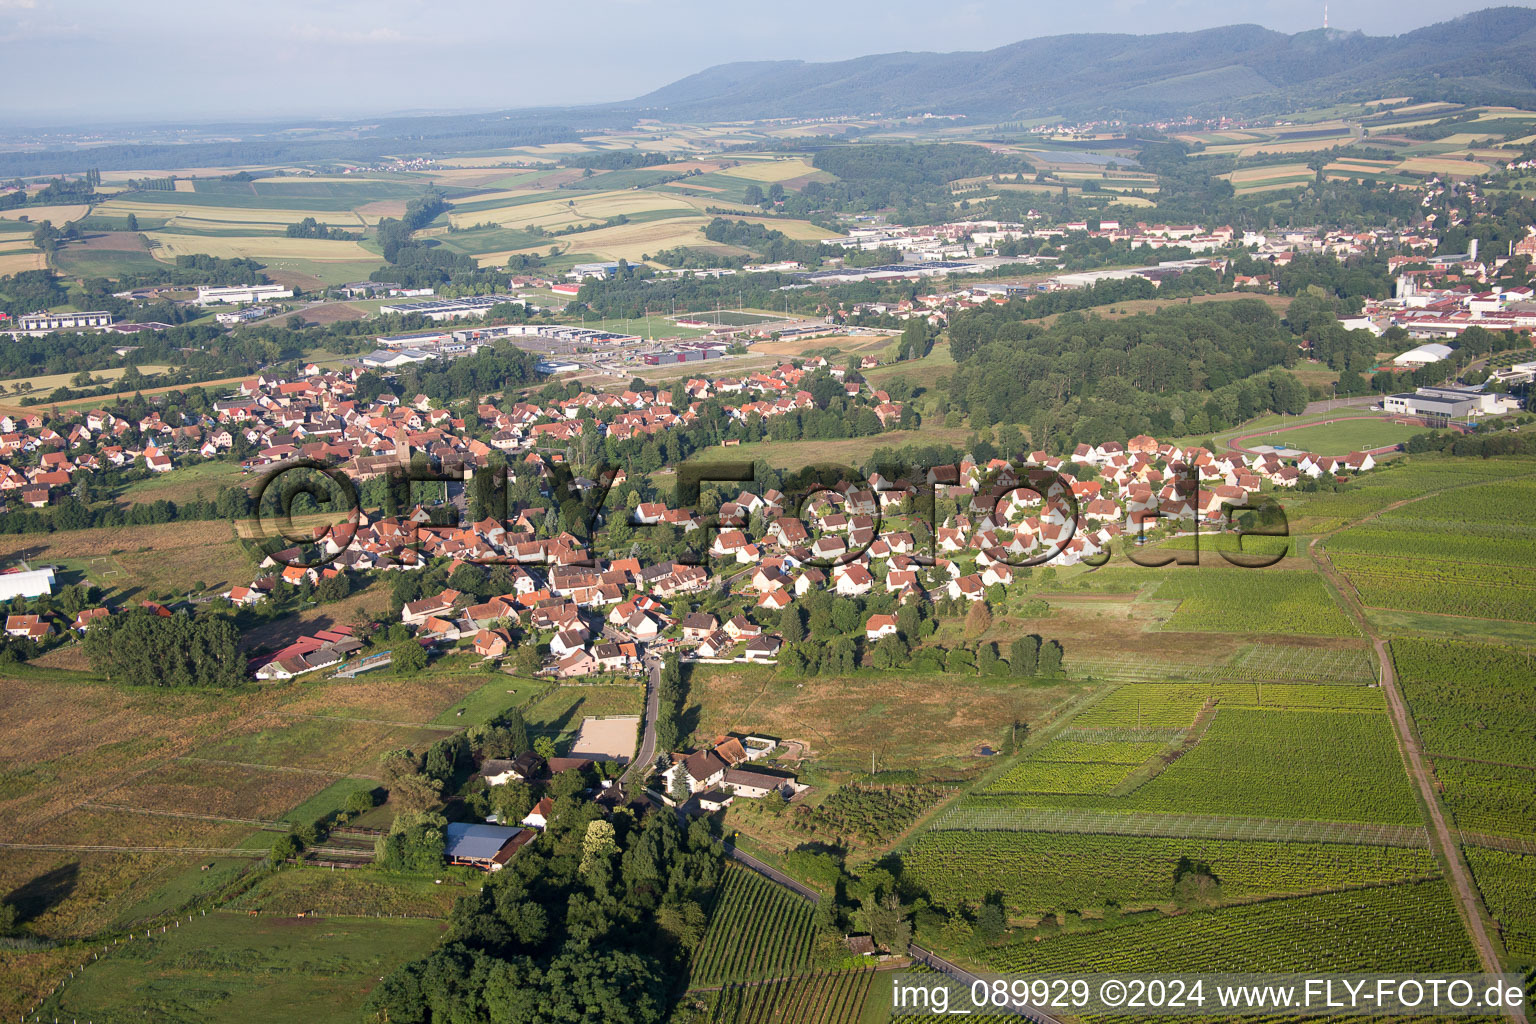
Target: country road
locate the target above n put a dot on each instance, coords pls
(1468, 898)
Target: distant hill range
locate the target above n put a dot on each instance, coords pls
(1486, 57)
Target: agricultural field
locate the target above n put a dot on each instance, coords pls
(1446, 554)
(1261, 762)
(758, 931)
(1508, 884)
(843, 720)
(1253, 601)
(1469, 699)
(835, 997)
(1362, 930)
(236, 968)
(1088, 872)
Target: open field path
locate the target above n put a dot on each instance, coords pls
(1468, 898)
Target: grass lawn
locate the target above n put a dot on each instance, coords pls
(228, 967)
(499, 694)
(188, 482)
(849, 451)
(1340, 437)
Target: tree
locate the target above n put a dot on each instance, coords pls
(1050, 659)
(408, 658)
(598, 848)
(285, 848)
(978, 620)
(791, 628)
(1024, 655)
(544, 747)
(679, 791)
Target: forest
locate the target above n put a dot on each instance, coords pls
(1182, 369)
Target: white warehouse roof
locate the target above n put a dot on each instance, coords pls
(1431, 353)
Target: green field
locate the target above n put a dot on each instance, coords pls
(236, 968)
(1338, 438)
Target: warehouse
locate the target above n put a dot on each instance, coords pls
(63, 321)
(209, 296)
(450, 309)
(1424, 355)
(27, 583)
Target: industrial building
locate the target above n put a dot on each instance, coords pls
(450, 309)
(63, 321)
(682, 354)
(236, 294)
(1444, 404)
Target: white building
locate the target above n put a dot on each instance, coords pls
(63, 321)
(1423, 355)
(29, 583)
(235, 294)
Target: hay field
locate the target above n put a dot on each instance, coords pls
(627, 241)
(261, 247)
(60, 215)
(139, 560)
(16, 262)
(232, 218)
(564, 209)
(44, 383)
(799, 230)
(771, 170)
(1446, 165)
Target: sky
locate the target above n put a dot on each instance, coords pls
(82, 62)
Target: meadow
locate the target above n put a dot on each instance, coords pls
(232, 967)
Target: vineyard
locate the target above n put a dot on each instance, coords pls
(1257, 661)
(1453, 543)
(1509, 503)
(1037, 775)
(1001, 814)
(1086, 871)
(1470, 699)
(757, 931)
(1462, 552)
(1442, 588)
(1508, 884)
(1146, 705)
(871, 814)
(1328, 510)
(1412, 927)
(1326, 765)
(829, 998)
(1253, 601)
(1497, 799)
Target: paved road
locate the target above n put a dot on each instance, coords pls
(647, 754)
